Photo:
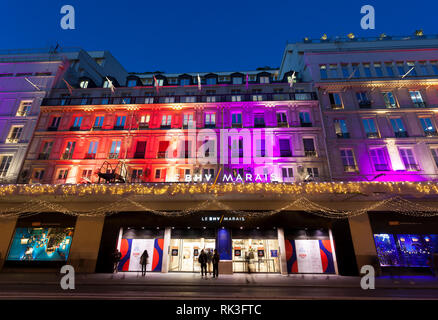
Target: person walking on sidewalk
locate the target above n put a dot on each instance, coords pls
(209, 260)
(143, 261)
(202, 259)
(116, 259)
(216, 259)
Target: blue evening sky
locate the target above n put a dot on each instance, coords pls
(194, 35)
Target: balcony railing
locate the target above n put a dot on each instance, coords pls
(310, 153)
(365, 104)
(119, 128)
(91, 156)
(73, 128)
(12, 140)
(143, 125)
(161, 154)
(419, 104)
(350, 168)
(430, 133)
(52, 128)
(381, 167)
(67, 156)
(236, 125)
(180, 99)
(210, 126)
(139, 155)
(43, 156)
(401, 134)
(305, 124)
(373, 135)
(285, 153)
(343, 135)
(113, 155)
(412, 167)
(282, 124)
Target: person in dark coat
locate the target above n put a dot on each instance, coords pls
(216, 259)
(203, 261)
(143, 261)
(116, 259)
(209, 260)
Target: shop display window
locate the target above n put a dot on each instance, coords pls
(40, 244)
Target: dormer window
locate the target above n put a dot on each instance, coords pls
(132, 83)
(84, 84)
(237, 80)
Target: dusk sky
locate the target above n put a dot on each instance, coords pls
(196, 36)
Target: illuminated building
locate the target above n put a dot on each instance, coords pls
(379, 103)
(26, 78)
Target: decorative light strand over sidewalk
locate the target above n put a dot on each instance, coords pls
(295, 189)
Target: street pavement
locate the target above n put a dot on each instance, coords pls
(191, 286)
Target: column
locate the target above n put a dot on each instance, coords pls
(282, 253)
(7, 227)
(223, 246)
(85, 243)
(363, 241)
(166, 249)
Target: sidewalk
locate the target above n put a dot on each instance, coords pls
(190, 279)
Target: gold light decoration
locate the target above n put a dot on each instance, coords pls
(350, 36)
(324, 37)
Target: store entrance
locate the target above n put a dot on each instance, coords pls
(185, 247)
(184, 253)
(255, 252)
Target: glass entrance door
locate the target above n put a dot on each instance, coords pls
(256, 255)
(184, 253)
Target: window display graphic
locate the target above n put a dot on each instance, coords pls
(132, 249)
(41, 244)
(405, 250)
(309, 256)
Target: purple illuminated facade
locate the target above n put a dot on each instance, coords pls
(379, 103)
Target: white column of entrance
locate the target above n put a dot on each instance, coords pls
(281, 244)
(166, 245)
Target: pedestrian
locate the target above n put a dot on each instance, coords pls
(209, 259)
(247, 262)
(216, 259)
(202, 259)
(116, 259)
(143, 261)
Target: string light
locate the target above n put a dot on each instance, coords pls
(127, 195)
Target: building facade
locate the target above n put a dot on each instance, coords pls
(27, 76)
(322, 166)
(378, 100)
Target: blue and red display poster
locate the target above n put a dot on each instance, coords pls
(309, 256)
(132, 249)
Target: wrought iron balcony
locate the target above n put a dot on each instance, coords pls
(67, 156)
(373, 135)
(12, 140)
(365, 104)
(43, 156)
(401, 134)
(306, 124)
(310, 153)
(52, 128)
(90, 156)
(412, 167)
(139, 155)
(430, 133)
(343, 135)
(381, 167)
(350, 168)
(179, 99)
(113, 155)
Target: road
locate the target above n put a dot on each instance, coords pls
(189, 286)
